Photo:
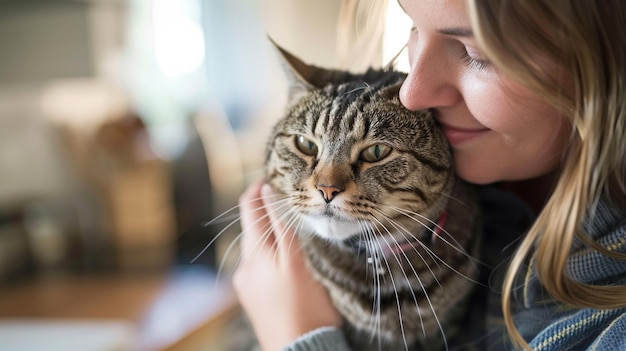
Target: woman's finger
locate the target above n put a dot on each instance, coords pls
(286, 240)
(255, 223)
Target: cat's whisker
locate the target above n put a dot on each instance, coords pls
(401, 267)
(365, 236)
(402, 231)
(427, 296)
(235, 219)
(224, 216)
(232, 244)
(227, 252)
(297, 229)
(456, 199)
(215, 238)
(420, 282)
(355, 90)
(270, 227)
(418, 217)
(442, 261)
(292, 224)
(376, 303)
(219, 218)
(374, 247)
(390, 272)
(286, 216)
(455, 245)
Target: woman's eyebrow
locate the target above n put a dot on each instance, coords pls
(457, 32)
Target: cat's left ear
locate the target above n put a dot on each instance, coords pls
(301, 77)
(391, 92)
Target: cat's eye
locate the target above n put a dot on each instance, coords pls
(375, 153)
(306, 146)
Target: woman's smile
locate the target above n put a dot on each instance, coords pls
(460, 135)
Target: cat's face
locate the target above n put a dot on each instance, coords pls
(348, 157)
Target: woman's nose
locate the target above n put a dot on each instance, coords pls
(430, 82)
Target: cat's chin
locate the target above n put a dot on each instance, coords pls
(331, 228)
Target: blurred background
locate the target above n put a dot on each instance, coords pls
(125, 127)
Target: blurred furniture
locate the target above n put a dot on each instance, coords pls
(184, 308)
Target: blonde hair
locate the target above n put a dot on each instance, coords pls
(360, 31)
(586, 40)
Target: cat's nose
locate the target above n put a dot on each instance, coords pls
(328, 192)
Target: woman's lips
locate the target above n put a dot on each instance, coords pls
(457, 135)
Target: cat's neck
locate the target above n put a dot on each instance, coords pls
(429, 234)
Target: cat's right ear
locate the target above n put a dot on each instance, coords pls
(300, 76)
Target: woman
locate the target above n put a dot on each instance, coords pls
(531, 95)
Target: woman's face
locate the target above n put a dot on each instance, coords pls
(498, 130)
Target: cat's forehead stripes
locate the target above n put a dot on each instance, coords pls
(336, 109)
(340, 111)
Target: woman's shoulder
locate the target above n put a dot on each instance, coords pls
(606, 225)
(607, 218)
(321, 339)
(584, 329)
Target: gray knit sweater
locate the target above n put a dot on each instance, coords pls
(544, 323)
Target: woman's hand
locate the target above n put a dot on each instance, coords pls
(274, 286)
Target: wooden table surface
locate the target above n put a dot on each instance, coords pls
(163, 310)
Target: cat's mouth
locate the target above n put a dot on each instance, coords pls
(329, 212)
(331, 224)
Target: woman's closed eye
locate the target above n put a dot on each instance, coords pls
(474, 60)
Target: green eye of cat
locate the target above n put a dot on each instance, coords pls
(306, 146)
(375, 153)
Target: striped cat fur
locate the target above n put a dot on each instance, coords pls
(369, 187)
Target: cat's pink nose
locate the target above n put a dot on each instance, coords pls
(328, 192)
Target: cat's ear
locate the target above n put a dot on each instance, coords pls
(392, 91)
(301, 77)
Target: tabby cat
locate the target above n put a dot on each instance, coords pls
(370, 188)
